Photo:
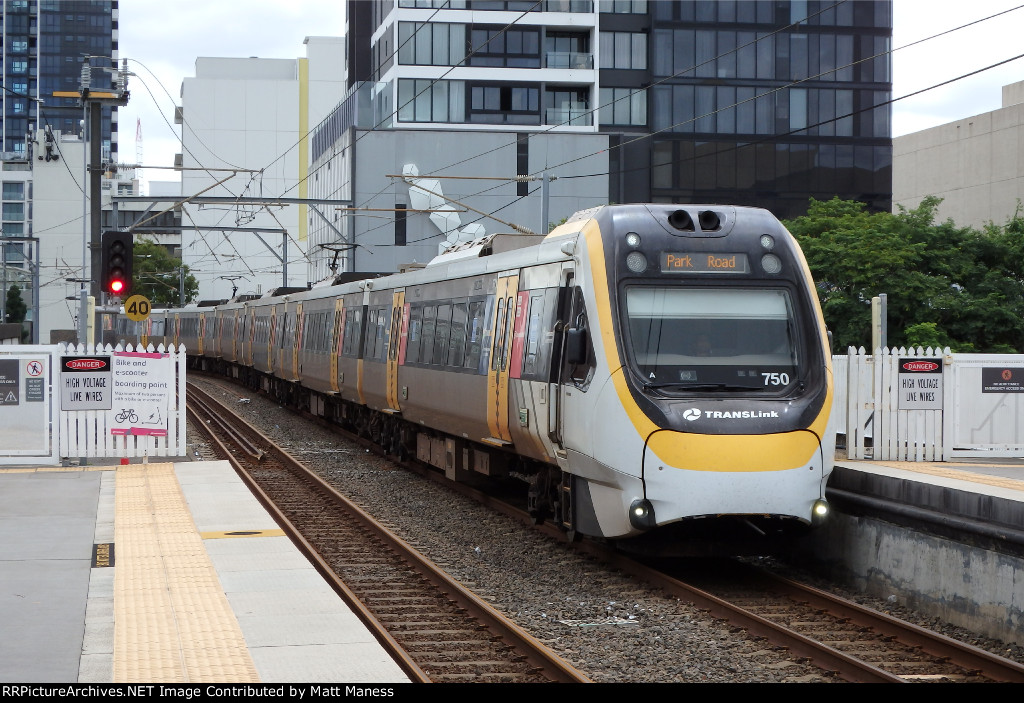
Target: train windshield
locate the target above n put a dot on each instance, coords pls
(685, 340)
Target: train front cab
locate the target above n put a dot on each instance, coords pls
(656, 432)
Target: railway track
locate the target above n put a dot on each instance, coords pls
(848, 641)
(855, 643)
(437, 630)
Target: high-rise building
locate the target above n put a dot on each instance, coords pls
(765, 103)
(753, 103)
(45, 43)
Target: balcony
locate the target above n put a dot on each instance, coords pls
(573, 116)
(568, 59)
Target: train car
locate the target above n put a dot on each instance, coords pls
(648, 371)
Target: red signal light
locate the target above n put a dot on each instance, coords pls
(116, 286)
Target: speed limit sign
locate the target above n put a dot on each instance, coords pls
(137, 308)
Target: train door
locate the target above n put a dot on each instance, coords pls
(396, 341)
(501, 351)
(201, 332)
(339, 331)
(234, 337)
(297, 340)
(271, 338)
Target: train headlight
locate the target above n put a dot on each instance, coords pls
(633, 239)
(771, 263)
(767, 242)
(641, 514)
(636, 262)
(819, 511)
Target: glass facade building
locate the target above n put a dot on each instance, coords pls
(765, 103)
(44, 45)
(753, 103)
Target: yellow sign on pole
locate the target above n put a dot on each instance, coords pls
(137, 308)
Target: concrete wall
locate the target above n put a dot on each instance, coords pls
(945, 548)
(250, 114)
(471, 157)
(975, 164)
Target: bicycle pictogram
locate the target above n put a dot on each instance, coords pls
(127, 414)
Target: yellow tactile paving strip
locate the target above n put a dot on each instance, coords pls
(172, 620)
(961, 472)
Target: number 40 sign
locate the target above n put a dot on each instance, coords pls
(137, 308)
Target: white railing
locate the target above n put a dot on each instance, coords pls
(929, 404)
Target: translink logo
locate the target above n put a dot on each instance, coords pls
(693, 414)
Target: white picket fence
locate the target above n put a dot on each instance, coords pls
(966, 422)
(87, 433)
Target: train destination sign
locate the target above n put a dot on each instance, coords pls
(703, 262)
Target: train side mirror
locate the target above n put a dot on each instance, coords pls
(576, 346)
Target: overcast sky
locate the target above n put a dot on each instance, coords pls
(163, 39)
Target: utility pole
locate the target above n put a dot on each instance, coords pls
(92, 101)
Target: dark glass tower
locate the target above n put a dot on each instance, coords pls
(746, 103)
(44, 45)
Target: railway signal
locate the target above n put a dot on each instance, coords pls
(117, 251)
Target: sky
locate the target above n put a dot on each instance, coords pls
(162, 40)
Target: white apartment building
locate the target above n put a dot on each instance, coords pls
(245, 126)
(420, 102)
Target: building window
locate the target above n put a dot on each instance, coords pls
(504, 104)
(567, 50)
(431, 44)
(567, 106)
(623, 7)
(624, 50)
(623, 106)
(13, 190)
(504, 48)
(424, 100)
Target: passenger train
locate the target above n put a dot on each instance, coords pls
(643, 369)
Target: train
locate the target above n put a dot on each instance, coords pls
(647, 374)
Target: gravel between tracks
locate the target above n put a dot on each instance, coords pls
(606, 625)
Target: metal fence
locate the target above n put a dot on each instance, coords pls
(929, 404)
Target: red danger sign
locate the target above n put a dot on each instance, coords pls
(85, 363)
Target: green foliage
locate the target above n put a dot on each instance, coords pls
(156, 276)
(945, 285)
(16, 308)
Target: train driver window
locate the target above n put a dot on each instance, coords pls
(578, 367)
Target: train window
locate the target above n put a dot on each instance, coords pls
(427, 348)
(533, 334)
(394, 336)
(442, 331)
(353, 327)
(709, 339)
(506, 333)
(474, 333)
(412, 351)
(457, 343)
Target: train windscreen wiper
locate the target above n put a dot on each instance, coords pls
(699, 387)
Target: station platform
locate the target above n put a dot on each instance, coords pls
(164, 573)
(989, 490)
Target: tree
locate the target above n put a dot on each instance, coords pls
(16, 307)
(156, 276)
(942, 282)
